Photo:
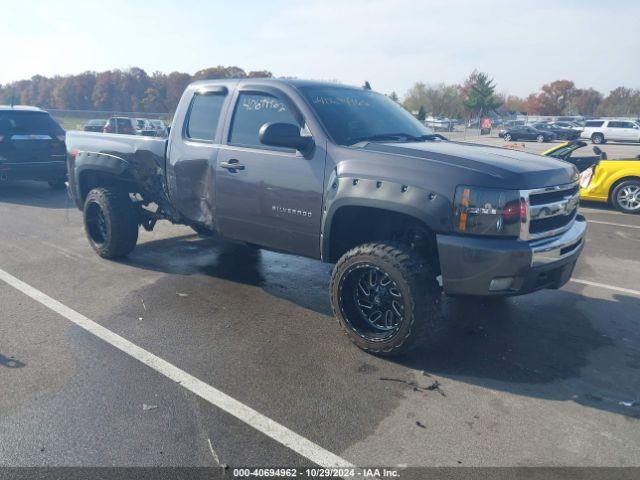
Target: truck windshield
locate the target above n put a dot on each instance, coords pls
(351, 115)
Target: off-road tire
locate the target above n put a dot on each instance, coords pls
(614, 196)
(421, 295)
(597, 138)
(120, 227)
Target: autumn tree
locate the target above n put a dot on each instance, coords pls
(554, 98)
(439, 100)
(513, 103)
(175, 84)
(620, 102)
(260, 74)
(584, 102)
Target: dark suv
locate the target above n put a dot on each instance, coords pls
(31, 146)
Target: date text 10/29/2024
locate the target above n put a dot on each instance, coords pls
(315, 473)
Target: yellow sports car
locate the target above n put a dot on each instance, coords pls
(603, 180)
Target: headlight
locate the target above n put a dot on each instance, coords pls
(484, 211)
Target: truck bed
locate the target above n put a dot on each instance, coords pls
(139, 159)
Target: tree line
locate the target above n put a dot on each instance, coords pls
(478, 94)
(133, 90)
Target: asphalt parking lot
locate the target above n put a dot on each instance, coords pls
(552, 378)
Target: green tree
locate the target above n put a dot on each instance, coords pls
(480, 93)
(422, 113)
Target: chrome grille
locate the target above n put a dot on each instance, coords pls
(550, 210)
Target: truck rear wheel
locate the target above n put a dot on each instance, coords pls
(110, 222)
(385, 297)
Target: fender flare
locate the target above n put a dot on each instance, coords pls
(426, 207)
(94, 162)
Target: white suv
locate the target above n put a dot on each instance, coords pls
(600, 131)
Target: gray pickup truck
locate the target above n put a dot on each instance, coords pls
(344, 175)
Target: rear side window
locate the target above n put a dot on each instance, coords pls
(123, 123)
(254, 110)
(594, 123)
(204, 116)
(28, 123)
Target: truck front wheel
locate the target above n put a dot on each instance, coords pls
(110, 222)
(385, 297)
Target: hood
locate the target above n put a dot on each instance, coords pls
(478, 164)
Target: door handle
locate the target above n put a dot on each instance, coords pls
(232, 165)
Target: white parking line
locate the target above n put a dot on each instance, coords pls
(608, 287)
(242, 412)
(600, 210)
(613, 224)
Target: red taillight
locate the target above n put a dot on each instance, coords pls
(511, 211)
(523, 209)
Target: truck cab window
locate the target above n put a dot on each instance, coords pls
(254, 110)
(204, 115)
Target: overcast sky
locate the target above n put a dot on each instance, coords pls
(391, 43)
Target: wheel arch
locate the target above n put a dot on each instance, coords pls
(358, 222)
(98, 170)
(623, 178)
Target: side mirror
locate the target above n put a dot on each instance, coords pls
(597, 150)
(284, 135)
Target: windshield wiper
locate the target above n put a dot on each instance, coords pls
(397, 136)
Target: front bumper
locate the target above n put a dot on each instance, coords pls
(478, 266)
(48, 170)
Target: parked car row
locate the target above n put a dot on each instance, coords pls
(597, 130)
(128, 126)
